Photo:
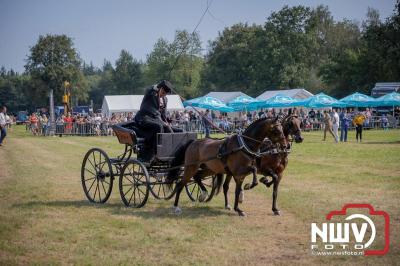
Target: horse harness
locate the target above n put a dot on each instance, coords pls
(223, 151)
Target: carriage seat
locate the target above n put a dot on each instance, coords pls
(129, 133)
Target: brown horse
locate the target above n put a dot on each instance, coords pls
(234, 155)
(272, 164)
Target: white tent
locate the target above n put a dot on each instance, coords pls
(131, 103)
(299, 93)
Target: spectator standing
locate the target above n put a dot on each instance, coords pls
(358, 122)
(328, 125)
(68, 120)
(43, 123)
(345, 122)
(3, 124)
(34, 124)
(335, 125)
(385, 122)
(206, 123)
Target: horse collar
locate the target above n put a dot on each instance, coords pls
(246, 149)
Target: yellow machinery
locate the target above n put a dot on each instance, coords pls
(66, 100)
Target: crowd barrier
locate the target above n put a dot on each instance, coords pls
(105, 128)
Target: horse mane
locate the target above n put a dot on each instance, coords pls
(254, 123)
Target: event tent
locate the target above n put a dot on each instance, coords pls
(131, 103)
(208, 102)
(226, 96)
(358, 100)
(299, 93)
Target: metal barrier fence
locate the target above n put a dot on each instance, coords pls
(105, 128)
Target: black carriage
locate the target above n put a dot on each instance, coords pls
(137, 178)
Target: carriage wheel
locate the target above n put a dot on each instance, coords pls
(97, 176)
(134, 184)
(194, 191)
(160, 189)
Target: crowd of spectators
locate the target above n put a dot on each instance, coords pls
(207, 121)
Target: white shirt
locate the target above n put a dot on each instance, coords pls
(2, 119)
(335, 119)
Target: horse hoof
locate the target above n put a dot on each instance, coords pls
(242, 214)
(247, 187)
(203, 196)
(241, 197)
(228, 207)
(264, 180)
(277, 213)
(177, 210)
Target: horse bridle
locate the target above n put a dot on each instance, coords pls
(290, 127)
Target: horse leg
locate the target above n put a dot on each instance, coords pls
(226, 188)
(197, 178)
(188, 173)
(265, 181)
(275, 195)
(254, 182)
(238, 189)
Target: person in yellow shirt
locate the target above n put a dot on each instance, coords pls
(358, 122)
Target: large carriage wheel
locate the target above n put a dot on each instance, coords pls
(194, 191)
(160, 189)
(134, 184)
(97, 176)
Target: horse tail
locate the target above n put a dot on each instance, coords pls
(219, 183)
(179, 159)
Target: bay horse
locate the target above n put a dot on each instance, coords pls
(234, 155)
(272, 164)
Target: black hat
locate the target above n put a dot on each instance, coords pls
(166, 85)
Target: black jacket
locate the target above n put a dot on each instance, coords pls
(150, 104)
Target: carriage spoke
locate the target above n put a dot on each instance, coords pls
(133, 193)
(90, 171)
(128, 190)
(163, 189)
(159, 189)
(94, 160)
(194, 186)
(131, 181)
(95, 192)
(140, 199)
(98, 188)
(94, 167)
(197, 194)
(89, 179)
(141, 191)
(91, 185)
(104, 189)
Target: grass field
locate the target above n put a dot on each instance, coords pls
(46, 219)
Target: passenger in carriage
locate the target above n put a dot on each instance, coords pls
(152, 117)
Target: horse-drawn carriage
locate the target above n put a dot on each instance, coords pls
(137, 178)
(198, 167)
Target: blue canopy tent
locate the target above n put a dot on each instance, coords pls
(244, 103)
(321, 100)
(279, 101)
(208, 102)
(358, 100)
(391, 99)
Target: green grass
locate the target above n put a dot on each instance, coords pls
(46, 219)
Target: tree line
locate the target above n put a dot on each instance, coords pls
(296, 47)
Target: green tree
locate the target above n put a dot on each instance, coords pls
(52, 61)
(13, 87)
(231, 63)
(180, 62)
(128, 76)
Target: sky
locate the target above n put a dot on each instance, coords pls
(100, 29)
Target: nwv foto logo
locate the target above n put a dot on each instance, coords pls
(338, 235)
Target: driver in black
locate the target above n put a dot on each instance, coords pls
(151, 116)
